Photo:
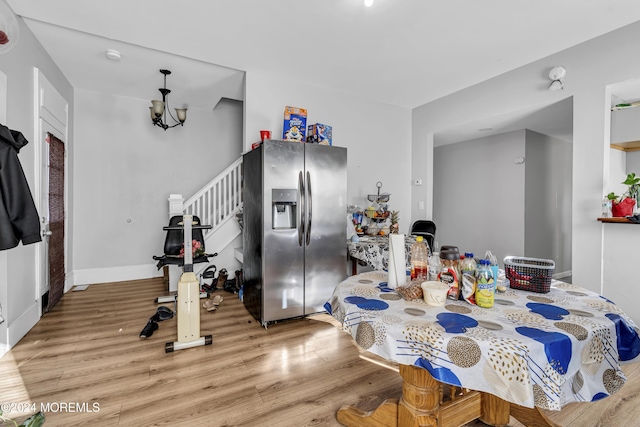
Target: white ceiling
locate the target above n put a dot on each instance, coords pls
(400, 52)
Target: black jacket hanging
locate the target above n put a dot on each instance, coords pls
(19, 220)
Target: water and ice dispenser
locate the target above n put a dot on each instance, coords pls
(284, 207)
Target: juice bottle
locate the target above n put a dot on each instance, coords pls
(484, 285)
(420, 260)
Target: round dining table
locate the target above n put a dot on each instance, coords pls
(529, 351)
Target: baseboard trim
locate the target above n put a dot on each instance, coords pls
(115, 274)
(19, 327)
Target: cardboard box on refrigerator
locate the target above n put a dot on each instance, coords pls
(295, 124)
(320, 134)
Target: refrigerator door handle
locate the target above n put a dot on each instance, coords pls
(309, 208)
(301, 210)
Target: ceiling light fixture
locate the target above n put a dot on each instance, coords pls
(113, 55)
(368, 3)
(556, 75)
(158, 109)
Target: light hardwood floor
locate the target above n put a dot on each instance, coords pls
(294, 373)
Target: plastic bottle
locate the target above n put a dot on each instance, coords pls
(468, 278)
(606, 207)
(434, 266)
(468, 264)
(484, 285)
(419, 260)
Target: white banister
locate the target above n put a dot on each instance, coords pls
(219, 200)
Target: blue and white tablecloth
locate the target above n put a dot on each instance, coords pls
(531, 349)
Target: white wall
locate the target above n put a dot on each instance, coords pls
(479, 195)
(17, 284)
(377, 136)
(591, 67)
(125, 170)
(548, 195)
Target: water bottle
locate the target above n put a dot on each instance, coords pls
(434, 266)
(484, 285)
(468, 264)
(606, 207)
(419, 260)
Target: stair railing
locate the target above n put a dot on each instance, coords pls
(219, 200)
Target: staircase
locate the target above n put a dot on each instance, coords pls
(217, 204)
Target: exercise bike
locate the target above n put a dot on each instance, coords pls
(188, 299)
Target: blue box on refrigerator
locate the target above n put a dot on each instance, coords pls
(295, 124)
(320, 134)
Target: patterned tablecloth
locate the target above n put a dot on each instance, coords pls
(374, 250)
(531, 349)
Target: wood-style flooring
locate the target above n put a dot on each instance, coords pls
(86, 354)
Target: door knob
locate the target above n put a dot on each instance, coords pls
(47, 233)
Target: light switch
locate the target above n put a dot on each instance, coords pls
(417, 182)
(421, 206)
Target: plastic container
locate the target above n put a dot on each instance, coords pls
(485, 288)
(606, 207)
(468, 278)
(529, 274)
(450, 270)
(434, 293)
(434, 266)
(468, 264)
(420, 260)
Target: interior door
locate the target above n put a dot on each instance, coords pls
(54, 228)
(52, 130)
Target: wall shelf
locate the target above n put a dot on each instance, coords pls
(618, 220)
(626, 146)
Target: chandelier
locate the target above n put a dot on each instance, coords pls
(159, 109)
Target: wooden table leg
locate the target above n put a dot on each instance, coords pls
(422, 405)
(354, 265)
(495, 411)
(531, 417)
(385, 415)
(420, 402)
(419, 405)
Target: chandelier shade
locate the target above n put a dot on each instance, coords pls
(160, 111)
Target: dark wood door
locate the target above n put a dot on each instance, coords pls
(56, 220)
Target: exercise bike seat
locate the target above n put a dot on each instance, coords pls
(174, 242)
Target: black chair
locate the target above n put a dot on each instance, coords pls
(426, 229)
(174, 241)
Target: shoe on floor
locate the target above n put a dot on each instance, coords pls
(222, 278)
(209, 305)
(148, 330)
(163, 313)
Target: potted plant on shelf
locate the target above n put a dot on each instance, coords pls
(624, 205)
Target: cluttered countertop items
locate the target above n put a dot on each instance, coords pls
(376, 219)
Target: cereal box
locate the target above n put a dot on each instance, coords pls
(295, 124)
(319, 134)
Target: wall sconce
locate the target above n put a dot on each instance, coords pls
(556, 75)
(159, 111)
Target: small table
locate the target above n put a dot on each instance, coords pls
(529, 351)
(374, 252)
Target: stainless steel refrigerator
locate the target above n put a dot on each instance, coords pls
(294, 228)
